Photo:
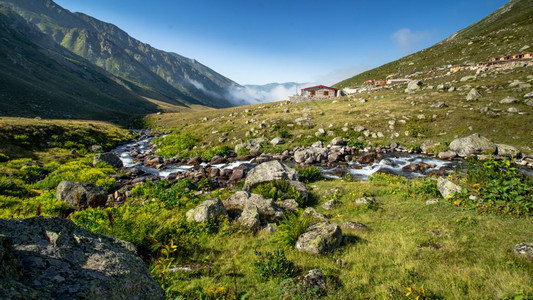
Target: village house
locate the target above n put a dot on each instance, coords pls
(321, 92)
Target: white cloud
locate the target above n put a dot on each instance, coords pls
(407, 41)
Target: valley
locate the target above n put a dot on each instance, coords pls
(124, 181)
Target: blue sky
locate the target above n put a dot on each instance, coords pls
(263, 41)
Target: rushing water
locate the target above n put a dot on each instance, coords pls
(390, 163)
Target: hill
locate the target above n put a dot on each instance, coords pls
(506, 31)
(147, 71)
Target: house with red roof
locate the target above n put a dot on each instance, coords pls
(321, 92)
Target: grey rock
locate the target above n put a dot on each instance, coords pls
(268, 209)
(315, 280)
(338, 141)
(529, 95)
(414, 85)
(210, 209)
(311, 155)
(473, 95)
(250, 217)
(108, 158)
(508, 151)
(320, 238)
(508, 100)
(473, 144)
(354, 226)
(331, 204)
(432, 201)
(277, 141)
(528, 102)
(525, 249)
(365, 200)
(289, 205)
(62, 261)
(312, 213)
(267, 172)
(447, 155)
(447, 188)
(467, 78)
(81, 195)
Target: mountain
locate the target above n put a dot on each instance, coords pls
(506, 31)
(40, 78)
(149, 72)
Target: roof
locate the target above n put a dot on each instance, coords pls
(317, 87)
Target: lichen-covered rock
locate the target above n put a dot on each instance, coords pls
(269, 171)
(472, 144)
(250, 217)
(313, 214)
(108, 158)
(315, 280)
(289, 204)
(81, 195)
(59, 260)
(320, 238)
(210, 209)
(268, 209)
(508, 151)
(447, 188)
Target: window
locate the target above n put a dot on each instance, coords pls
(313, 93)
(326, 93)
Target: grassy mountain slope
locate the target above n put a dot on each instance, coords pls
(151, 72)
(506, 31)
(40, 78)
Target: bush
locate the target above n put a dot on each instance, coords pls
(32, 173)
(273, 265)
(309, 174)
(423, 187)
(179, 194)
(499, 188)
(290, 229)
(176, 144)
(279, 190)
(3, 157)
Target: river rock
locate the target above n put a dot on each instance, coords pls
(508, 151)
(81, 195)
(268, 209)
(473, 95)
(267, 172)
(525, 249)
(320, 238)
(236, 175)
(447, 188)
(108, 158)
(310, 155)
(447, 155)
(210, 209)
(472, 144)
(54, 259)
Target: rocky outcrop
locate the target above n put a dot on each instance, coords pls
(108, 158)
(447, 188)
(320, 238)
(51, 258)
(472, 144)
(81, 195)
(267, 172)
(208, 210)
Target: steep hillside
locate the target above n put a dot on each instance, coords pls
(40, 78)
(148, 71)
(506, 31)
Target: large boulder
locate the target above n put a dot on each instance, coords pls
(320, 238)
(108, 158)
(472, 144)
(269, 171)
(55, 259)
(210, 209)
(81, 195)
(447, 188)
(413, 85)
(267, 208)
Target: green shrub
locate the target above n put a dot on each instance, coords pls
(498, 187)
(78, 170)
(45, 204)
(17, 163)
(279, 190)
(296, 290)
(273, 265)
(179, 194)
(218, 150)
(290, 228)
(3, 157)
(176, 144)
(32, 173)
(243, 151)
(12, 186)
(423, 187)
(309, 174)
